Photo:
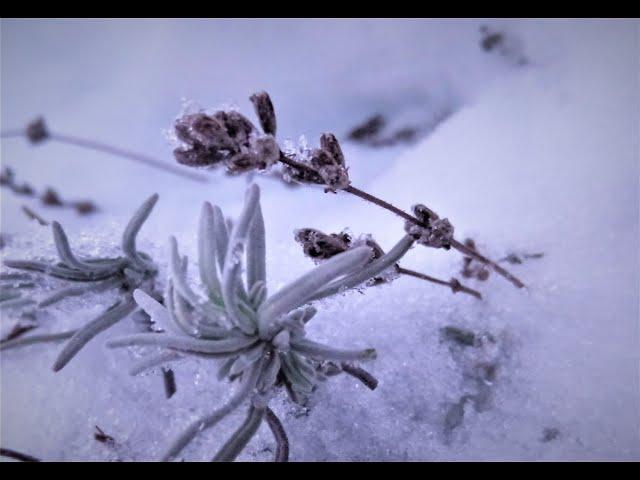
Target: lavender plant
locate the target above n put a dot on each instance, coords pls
(230, 139)
(260, 337)
(134, 270)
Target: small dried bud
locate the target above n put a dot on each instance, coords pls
(472, 268)
(7, 176)
(37, 131)
(198, 156)
(329, 143)
(24, 189)
(368, 129)
(265, 112)
(266, 149)
(301, 175)
(321, 158)
(438, 233)
(210, 132)
(424, 214)
(84, 207)
(319, 245)
(335, 177)
(51, 197)
(238, 127)
(241, 162)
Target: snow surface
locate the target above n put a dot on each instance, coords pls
(539, 158)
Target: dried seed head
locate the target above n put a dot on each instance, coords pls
(7, 176)
(238, 127)
(198, 156)
(424, 214)
(51, 197)
(241, 162)
(332, 170)
(319, 245)
(437, 232)
(329, 143)
(206, 142)
(210, 132)
(470, 267)
(266, 149)
(84, 207)
(368, 129)
(37, 131)
(265, 112)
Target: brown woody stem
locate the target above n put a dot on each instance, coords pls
(23, 457)
(462, 248)
(282, 442)
(454, 284)
(401, 213)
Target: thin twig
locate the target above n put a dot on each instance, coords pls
(497, 268)
(17, 331)
(152, 162)
(454, 284)
(169, 382)
(23, 457)
(282, 442)
(34, 216)
(102, 147)
(401, 213)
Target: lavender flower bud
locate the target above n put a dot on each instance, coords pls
(37, 131)
(329, 143)
(51, 197)
(210, 132)
(424, 214)
(266, 149)
(238, 126)
(198, 156)
(319, 245)
(241, 162)
(438, 233)
(7, 176)
(265, 112)
(84, 207)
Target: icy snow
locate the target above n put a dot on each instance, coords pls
(541, 158)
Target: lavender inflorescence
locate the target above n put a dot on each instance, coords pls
(436, 232)
(226, 138)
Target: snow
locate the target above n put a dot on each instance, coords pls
(541, 158)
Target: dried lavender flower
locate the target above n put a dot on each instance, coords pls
(84, 207)
(261, 338)
(50, 197)
(471, 268)
(326, 165)
(225, 138)
(265, 112)
(321, 246)
(37, 131)
(437, 233)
